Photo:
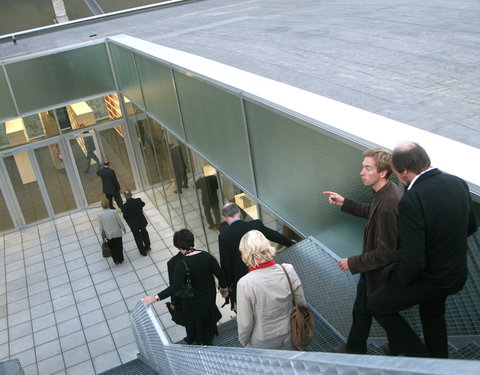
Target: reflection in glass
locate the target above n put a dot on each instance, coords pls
(91, 183)
(207, 185)
(231, 193)
(271, 221)
(6, 222)
(27, 129)
(203, 216)
(90, 112)
(25, 186)
(114, 150)
(55, 178)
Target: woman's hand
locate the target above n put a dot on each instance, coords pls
(147, 300)
(224, 292)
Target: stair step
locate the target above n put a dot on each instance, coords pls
(135, 367)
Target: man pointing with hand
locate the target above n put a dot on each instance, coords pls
(379, 242)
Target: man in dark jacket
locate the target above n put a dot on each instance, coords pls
(379, 244)
(229, 240)
(133, 215)
(110, 185)
(435, 216)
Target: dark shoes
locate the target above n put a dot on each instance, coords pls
(144, 253)
(386, 349)
(343, 349)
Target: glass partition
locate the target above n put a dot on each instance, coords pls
(25, 185)
(232, 193)
(214, 126)
(60, 77)
(159, 93)
(112, 146)
(91, 112)
(292, 178)
(50, 162)
(126, 72)
(28, 129)
(91, 183)
(7, 107)
(6, 222)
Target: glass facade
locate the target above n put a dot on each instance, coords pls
(26, 187)
(188, 139)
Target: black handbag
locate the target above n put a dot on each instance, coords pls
(176, 313)
(106, 251)
(186, 291)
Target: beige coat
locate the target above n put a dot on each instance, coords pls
(111, 225)
(264, 303)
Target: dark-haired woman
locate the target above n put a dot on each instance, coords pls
(200, 312)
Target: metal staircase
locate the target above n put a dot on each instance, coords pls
(323, 284)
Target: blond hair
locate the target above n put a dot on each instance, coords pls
(381, 158)
(105, 204)
(255, 248)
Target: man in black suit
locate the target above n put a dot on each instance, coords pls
(110, 185)
(133, 215)
(229, 240)
(435, 216)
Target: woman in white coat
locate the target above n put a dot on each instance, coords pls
(111, 228)
(264, 298)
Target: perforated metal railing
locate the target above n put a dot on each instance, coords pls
(173, 359)
(332, 292)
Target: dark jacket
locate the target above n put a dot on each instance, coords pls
(110, 183)
(208, 187)
(133, 213)
(380, 239)
(229, 240)
(177, 301)
(435, 217)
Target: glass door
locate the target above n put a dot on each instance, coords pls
(26, 186)
(39, 181)
(57, 184)
(85, 155)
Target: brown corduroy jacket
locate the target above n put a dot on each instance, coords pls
(380, 239)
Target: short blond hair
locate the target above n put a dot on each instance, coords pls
(255, 248)
(105, 204)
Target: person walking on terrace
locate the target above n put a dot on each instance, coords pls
(133, 214)
(111, 229)
(435, 217)
(379, 245)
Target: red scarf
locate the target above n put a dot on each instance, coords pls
(262, 265)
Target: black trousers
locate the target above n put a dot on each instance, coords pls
(208, 209)
(142, 239)
(391, 298)
(361, 320)
(117, 197)
(116, 246)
